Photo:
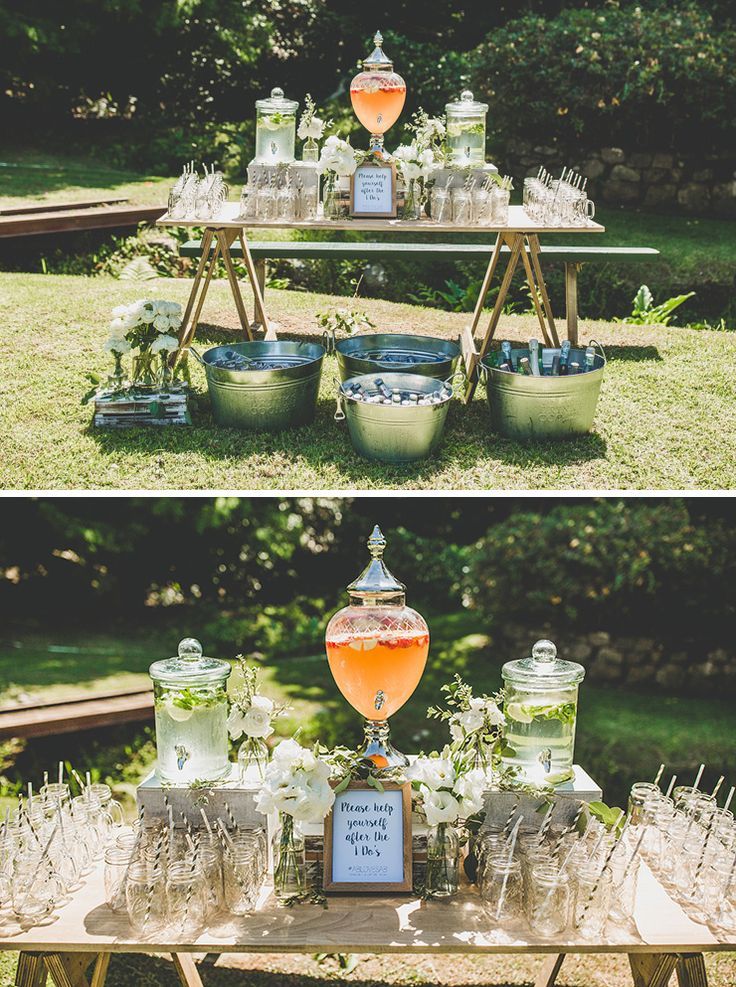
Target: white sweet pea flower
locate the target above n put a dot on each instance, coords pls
(470, 720)
(456, 731)
(494, 714)
(164, 344)
(235, 722)
(120, 311)
(440, 807)
(470, 788)
(173, 309)
(405, 152)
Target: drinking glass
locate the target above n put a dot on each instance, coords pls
(117, 862)
(240, 868)
(640, 791)
(549, 901)
(186, 897)
(36, 889)
(482, 207)
(592, 901)
(441, 205)
(266, 204)
(502, 891)
(625, 881)
(248, 201)
(109, 805)
(145, 899)
(211, 863)
(461, 207)
(500, 209)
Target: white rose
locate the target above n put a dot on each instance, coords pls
(117, 328)
(315, 801)
(456, 731)
(257, 723)
(235, 722)
(164, 344)
(286, 752)
(440, 807)
(113, 345)
(410, 171)
(174, 322)
(147, 314)
(313, 128)
(173, 308)
(120, 311)
(161, 323)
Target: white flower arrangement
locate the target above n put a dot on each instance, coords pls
(296, 783)
(445, 792)
(338, 157)
(251, 714)
(476, 725)
(429, 134)
(310, 125)
(148, 327)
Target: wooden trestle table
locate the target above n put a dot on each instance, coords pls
(520, 235)
(75, 944)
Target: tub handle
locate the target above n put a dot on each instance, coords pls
(482, 371)
(196, 356)
(457, 381)
(340, 408)
(328, 339)
(594, 342)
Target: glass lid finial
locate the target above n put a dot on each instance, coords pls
(376, 580)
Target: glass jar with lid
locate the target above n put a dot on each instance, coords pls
(377, 648)
(275, 128)
(541, 700)
(191, 709)
(466, 131)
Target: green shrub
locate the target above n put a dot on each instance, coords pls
(658, 77)
(630, 565)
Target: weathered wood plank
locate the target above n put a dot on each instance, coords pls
(73, 220)
(60, 206)
(82, 714)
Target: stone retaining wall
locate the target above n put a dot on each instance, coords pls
(653, 179)
(638, 662)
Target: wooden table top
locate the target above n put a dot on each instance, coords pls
(359, 925)
(518, 222)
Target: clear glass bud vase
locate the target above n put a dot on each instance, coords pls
(252, 761)
(443, 858)
(289, 861)
(310, 151)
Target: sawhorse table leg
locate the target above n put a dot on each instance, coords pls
(647, 969)
(521, 246)
(187, 970)
(216, 245)
(65, 969)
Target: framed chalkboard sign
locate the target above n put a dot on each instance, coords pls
(368, 840)
(373, 190)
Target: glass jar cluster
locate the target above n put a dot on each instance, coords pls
(270, 202)
(486, 205)
(50, 843)
(184, 879)
(556, 882)
(195, 197)
(689, 842)
(559, 201)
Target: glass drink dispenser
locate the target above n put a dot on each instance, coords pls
(377, 648)
(191, 716)
(541, 710)
(466, 131)
(275, 129)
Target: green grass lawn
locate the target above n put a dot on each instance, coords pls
(29, 176)
(664, 418)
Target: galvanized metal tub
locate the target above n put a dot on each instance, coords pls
(543, 407)
(391, 433)
(407, 353)
(265, 400)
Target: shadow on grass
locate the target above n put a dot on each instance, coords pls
(638, 354)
